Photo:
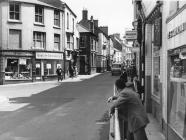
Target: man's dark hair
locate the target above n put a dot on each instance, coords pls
(120, 84)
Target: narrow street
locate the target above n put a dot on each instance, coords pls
(66, 111)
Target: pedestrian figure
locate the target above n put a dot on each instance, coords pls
(130, 109)
(137, 87)
(123, 75)
(59, 72)
(71, 69)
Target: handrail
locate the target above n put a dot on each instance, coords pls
(114, 123)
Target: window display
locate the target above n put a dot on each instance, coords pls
(177, 94)
(18, 69)
(50, 67)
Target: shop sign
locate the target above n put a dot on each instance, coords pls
(43, 55)
(135, 49)
(22, 61)
(48, 66)
(37, 65)
(177, 30)
(131, 35)
(157, 32)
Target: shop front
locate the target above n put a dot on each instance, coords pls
(17, 66)
(176, 111)
(46, 64)
(176, 77)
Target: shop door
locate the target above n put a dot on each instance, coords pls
(38, 70)
(82, 65)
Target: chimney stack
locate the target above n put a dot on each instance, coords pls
(85, 14)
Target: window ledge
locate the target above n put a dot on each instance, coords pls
(56, 27)
(14, 21)
(39, 24)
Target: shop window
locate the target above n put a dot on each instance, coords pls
(56, 41)
(18, 69)
(39, 14)
(14, 39)
(50, 67)
(57, 18)
(39, 40)
(177, 94)
(14, 11)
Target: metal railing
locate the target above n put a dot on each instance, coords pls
(114, 124)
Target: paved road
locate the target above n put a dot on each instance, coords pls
(70, 111)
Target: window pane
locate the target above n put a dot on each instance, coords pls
(17, 16)
(36, 10)
(11, 7)
(36, 19)
(40, 19)
(17, 8)
(11, 15)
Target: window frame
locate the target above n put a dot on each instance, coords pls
(58, 42)
(67, 20)
(82, 43)
(36, 39)
(14, 11)
(38, 14)
(57, 18)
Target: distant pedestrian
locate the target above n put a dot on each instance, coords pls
(59, 72)
(130, 109)
(123, 75)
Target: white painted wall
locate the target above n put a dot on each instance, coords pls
(70, 29)
(27, 26)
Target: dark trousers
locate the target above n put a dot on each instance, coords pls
(60, 77)
(140, 134)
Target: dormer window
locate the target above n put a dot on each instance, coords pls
(14, 11)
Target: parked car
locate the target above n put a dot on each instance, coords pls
(116, 69)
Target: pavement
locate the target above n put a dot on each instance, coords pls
(8, 91)
(153, 129)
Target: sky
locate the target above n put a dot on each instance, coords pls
(116, 14)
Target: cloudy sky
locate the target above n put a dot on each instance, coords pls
(116, 14)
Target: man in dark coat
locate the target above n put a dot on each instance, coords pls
(59, 72)
(130, 109)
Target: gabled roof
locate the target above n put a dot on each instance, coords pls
(116, 43)
(82, 29)
(69, 9)
(56, 3)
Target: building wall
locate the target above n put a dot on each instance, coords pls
(1, 3)
(27, 25)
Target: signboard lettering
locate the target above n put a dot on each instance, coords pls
(43, 55)
(177, 30)
(131, 35)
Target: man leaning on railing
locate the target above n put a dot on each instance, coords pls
(130, 109)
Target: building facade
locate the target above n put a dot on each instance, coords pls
(31, 41)
(103, 44)
(165, 47)
(174, 55)
(88, 44)
(71, 39)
